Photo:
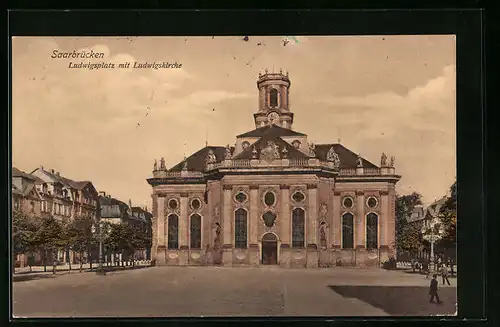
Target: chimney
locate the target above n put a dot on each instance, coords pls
(102, 194)
(52, 171)
(58, 174)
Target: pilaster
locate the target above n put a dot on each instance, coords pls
(254, 214)
(183, 221)
(285, 214)
(312, 215)
(336, 231)
(360, 219)
(384, 215)
(160, 218)
(226, 216)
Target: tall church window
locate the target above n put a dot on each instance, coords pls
(173, 232)
(240, 229)
(298, 217)
(195, 231)
(273, 98)
(372, 231)
(347, 231)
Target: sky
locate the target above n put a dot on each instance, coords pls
(393, 94)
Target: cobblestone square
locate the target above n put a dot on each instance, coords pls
(219, 291)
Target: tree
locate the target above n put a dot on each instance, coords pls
(408, 236)
(448, 217)
(53, 237)
(24, 234)
(80, 235)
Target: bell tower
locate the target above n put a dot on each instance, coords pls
(273, 100)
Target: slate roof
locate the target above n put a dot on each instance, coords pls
(111, 207)
(346, 156)
(262, 143)
(196, 162)
(19, 173)
(272, 130)
(78, 185)
(25, 188)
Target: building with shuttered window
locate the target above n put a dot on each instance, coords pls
(274, 198)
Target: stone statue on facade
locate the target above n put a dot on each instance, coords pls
(312, 149)
(216, 235)
(210, 159)
(332, 156)
(227, 154)
(359, 162)
(271, 151)
(383, 160)
(155, 166)
(392, 161)
(322, 235)
(162, 164)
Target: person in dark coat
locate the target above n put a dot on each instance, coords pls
(433, 290)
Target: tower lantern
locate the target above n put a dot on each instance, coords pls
(273, 100)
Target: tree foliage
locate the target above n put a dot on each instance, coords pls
(408, 235)
(448, 217)
(25, 235)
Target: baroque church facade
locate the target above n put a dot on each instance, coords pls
(274, 198)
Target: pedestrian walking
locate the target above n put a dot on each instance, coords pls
(433, 290)
(444, 273)
(452, 268)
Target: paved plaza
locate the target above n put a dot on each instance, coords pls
(219, 291)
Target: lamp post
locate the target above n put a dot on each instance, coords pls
(100, 269)
(432, 237)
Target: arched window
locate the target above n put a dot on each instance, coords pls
(372, 231)
(240, 229)
(347, 231)
(173, 232)
(273, 98)
(195, 231)
(298, 217)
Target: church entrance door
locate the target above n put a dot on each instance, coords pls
(269, 249)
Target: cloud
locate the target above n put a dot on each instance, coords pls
(108, 125)
(418, 127)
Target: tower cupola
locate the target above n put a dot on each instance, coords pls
(273, 100)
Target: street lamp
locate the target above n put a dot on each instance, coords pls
(100, 269)
(432, 237)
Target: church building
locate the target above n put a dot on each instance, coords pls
(274, 198)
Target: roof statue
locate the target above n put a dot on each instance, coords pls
(270, 152)
(227, 154)
(162, 163)
(383, 160)
(312, 149)
(210, 159)
(392, 161)
(359, 162)
(285, 152)
(155, 166)
(254, 153)
(332, 156)
(185, 164)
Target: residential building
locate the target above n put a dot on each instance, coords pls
(25, 199)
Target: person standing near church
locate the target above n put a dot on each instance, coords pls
(433, 290)
(444, 273)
